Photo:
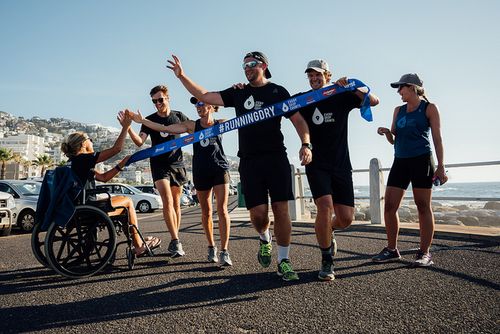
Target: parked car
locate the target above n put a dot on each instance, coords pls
(7, 204)
(143, 202)
(148, 189)
(25, 195)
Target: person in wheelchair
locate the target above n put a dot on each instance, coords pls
(79, 149)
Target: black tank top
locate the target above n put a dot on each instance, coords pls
(208, 154)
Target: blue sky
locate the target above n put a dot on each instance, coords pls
(87, 60)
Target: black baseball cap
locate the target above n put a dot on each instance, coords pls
(260, 57)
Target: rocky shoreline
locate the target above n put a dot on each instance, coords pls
(485, 214)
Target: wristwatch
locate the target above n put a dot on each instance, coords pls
(308, 145)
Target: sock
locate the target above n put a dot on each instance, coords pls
(326, 254)
(266, 236)
(283, 253)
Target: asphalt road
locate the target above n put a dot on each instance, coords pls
(460, 294)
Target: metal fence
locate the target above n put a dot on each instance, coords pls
(377, 189)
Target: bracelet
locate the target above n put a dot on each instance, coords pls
(118, 168)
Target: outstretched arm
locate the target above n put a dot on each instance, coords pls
(106, 176)
(213, 98)
(138, 139)
(178, 128)
(305, 153)
(118, 146)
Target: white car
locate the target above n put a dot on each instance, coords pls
(143, 202)
(25, 193)
(7, 204)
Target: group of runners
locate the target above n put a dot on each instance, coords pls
(264, 167)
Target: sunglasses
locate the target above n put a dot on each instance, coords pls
(160, 100)
(200, 104)
(251, 64)
(87, 138)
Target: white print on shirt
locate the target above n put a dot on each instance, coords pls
(249, 103)
(319, 118)
(164, 134)
(205, 142)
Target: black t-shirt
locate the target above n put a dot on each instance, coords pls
(83, 166)
(208, 153)
(264, 137)
(328, 124)
(172, 158)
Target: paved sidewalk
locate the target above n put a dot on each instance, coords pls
(459, 294)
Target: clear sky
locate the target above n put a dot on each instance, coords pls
(86, 60)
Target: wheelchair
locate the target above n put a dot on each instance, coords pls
(88, 242)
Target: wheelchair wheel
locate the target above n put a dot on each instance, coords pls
(38, 245)
(84, 246)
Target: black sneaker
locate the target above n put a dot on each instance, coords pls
(264, 254)
(387, 255)
(326, 272)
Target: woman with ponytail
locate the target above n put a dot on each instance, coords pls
(413, 162)
(79, 148)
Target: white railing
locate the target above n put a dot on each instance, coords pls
(377, 189)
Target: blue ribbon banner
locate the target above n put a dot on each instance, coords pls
(252, 117)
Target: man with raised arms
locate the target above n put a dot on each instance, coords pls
(264, 167)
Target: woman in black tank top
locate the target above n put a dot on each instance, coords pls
(210, 174)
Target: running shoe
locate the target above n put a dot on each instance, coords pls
(423, 259)
(264, 254)
(212, 255)
(387, 255)
(285, 271)
(225, 260)
(175, 249)
(326, 272)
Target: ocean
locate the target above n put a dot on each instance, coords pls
(476, 190)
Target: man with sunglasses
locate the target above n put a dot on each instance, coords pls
(168, 171)
(264, 167)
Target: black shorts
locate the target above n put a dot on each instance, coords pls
(338, 184)
(265, 176)
(210, 178)
(176, 175)
(417, 170)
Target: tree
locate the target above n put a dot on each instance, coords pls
(44, 161)
(5, 156)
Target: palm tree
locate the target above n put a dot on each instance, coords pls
(5, 156)
(45, 161)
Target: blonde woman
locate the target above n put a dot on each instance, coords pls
(413, 162)
(79, 149)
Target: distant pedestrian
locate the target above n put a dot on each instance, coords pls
(194, 196)
(413, 163)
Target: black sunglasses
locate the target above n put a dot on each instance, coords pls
(160, 100)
